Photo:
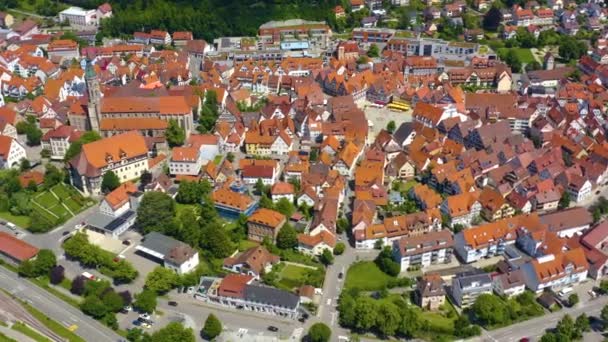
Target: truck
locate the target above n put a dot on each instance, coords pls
(89, 276)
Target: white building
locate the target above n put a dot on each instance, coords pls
(185, 161)
(58, 140)
(423, 250)
(556, 271)
(11, 152)
(117, 211)
(174, 254)
(509, 284)
(79, 16)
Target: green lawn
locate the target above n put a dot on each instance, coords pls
(218, 159)
(57, 212)
(524, 55)
(27, 331)
(4, 338)
(21, 221)
(180, 208)
(366, 276)
(292, 276)
(246, 244)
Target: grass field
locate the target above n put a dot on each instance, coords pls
(524, 55)
(292, 276)
(246, 244)
(21, 221)
(180, 208)
(4, 338)
(366, 276)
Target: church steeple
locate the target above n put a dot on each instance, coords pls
(94, 91)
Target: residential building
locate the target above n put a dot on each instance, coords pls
(430, 292)
(254, 262)
(117, 211)
(185, 161)
(282, 190)
(569, 222)
(556, 271)
(467, 286)
(11, 152)
(396, 227)
(63, 48)
(237, 291)
(316, 244)
(231, 204)
(462, 208)
(58, 140)
(509, 284)
(264, 223)
(423, 250)
(175, 255)
(126, 155)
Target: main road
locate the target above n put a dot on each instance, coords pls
(88, 328)
(536, 327)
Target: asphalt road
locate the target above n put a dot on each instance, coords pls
(55, 308)
(535, 328)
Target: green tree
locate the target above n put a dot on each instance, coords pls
(33, 135)
(94, 307)
(216, 241)
(573, 299)
(490, 309)
(326, 258)
(388, 319)
(135, 335)
(287, 238)
(366, 314)
(25, 164)
(145, 301)
(173, 332)
(230, 157)
(161, 280)
(385, 262)
(564, 201)
(109, 182)
(76, 146)
(190, 192)
(113, 301)
(342, 225)
(44, 262)
(155, 212)
(52, 176)
(373, 51)
(492, 19)
(571, 49)
(212, 328)
(285, 207)
(319, 332)
(582, 323)
(176, 136)
(339, 249)
(410, 322)
(391, 126)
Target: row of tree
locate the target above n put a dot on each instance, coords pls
(90, 255)
(490, 310)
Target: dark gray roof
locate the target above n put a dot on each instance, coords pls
(403, 132)
(466, 279)
(271, 296)
(159, 243)
(108, 223)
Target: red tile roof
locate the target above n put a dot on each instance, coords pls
(15, 248)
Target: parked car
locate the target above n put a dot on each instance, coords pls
(172, 303)
(340, 275)
(191, 290)
(126, 242)
(65, 233)
(273, 328)
(145, 316)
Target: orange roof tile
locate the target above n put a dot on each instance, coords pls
(267, 217)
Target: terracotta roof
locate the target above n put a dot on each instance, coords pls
(233, 285)
(255, 258)
(132, 124)
(267, 217)
(31, 176)
(313, 240)
(5, 146)
(552, 267)
(197, 140)
(120, 195)
(166, 105)
(113, 149)
(232, 199)
(184, 154)
(182, 35)
(282, 188)
(15, 248)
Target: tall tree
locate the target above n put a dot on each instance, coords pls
(155, 212)
(214, 239)
(56, 275)
(145, 301)
(161, 280)
(319, 332)
(287, 238)
(176, 136)
(212, 328)
(109, 182)
(388, 319)
(173, 332)
(492, 19)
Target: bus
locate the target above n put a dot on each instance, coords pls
(399, 106)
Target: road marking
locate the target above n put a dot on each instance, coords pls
(333, 318)
(328, 301)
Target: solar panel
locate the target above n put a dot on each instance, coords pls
(119, 221)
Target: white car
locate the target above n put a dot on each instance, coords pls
(146, 325)
(145, 316)
(127, 308)
(190, 290)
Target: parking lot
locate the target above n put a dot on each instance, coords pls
(142, 264)
(17, 232)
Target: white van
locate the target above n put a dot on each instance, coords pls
(565, 291)
(11, 226)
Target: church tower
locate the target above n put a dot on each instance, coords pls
(94, 91)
